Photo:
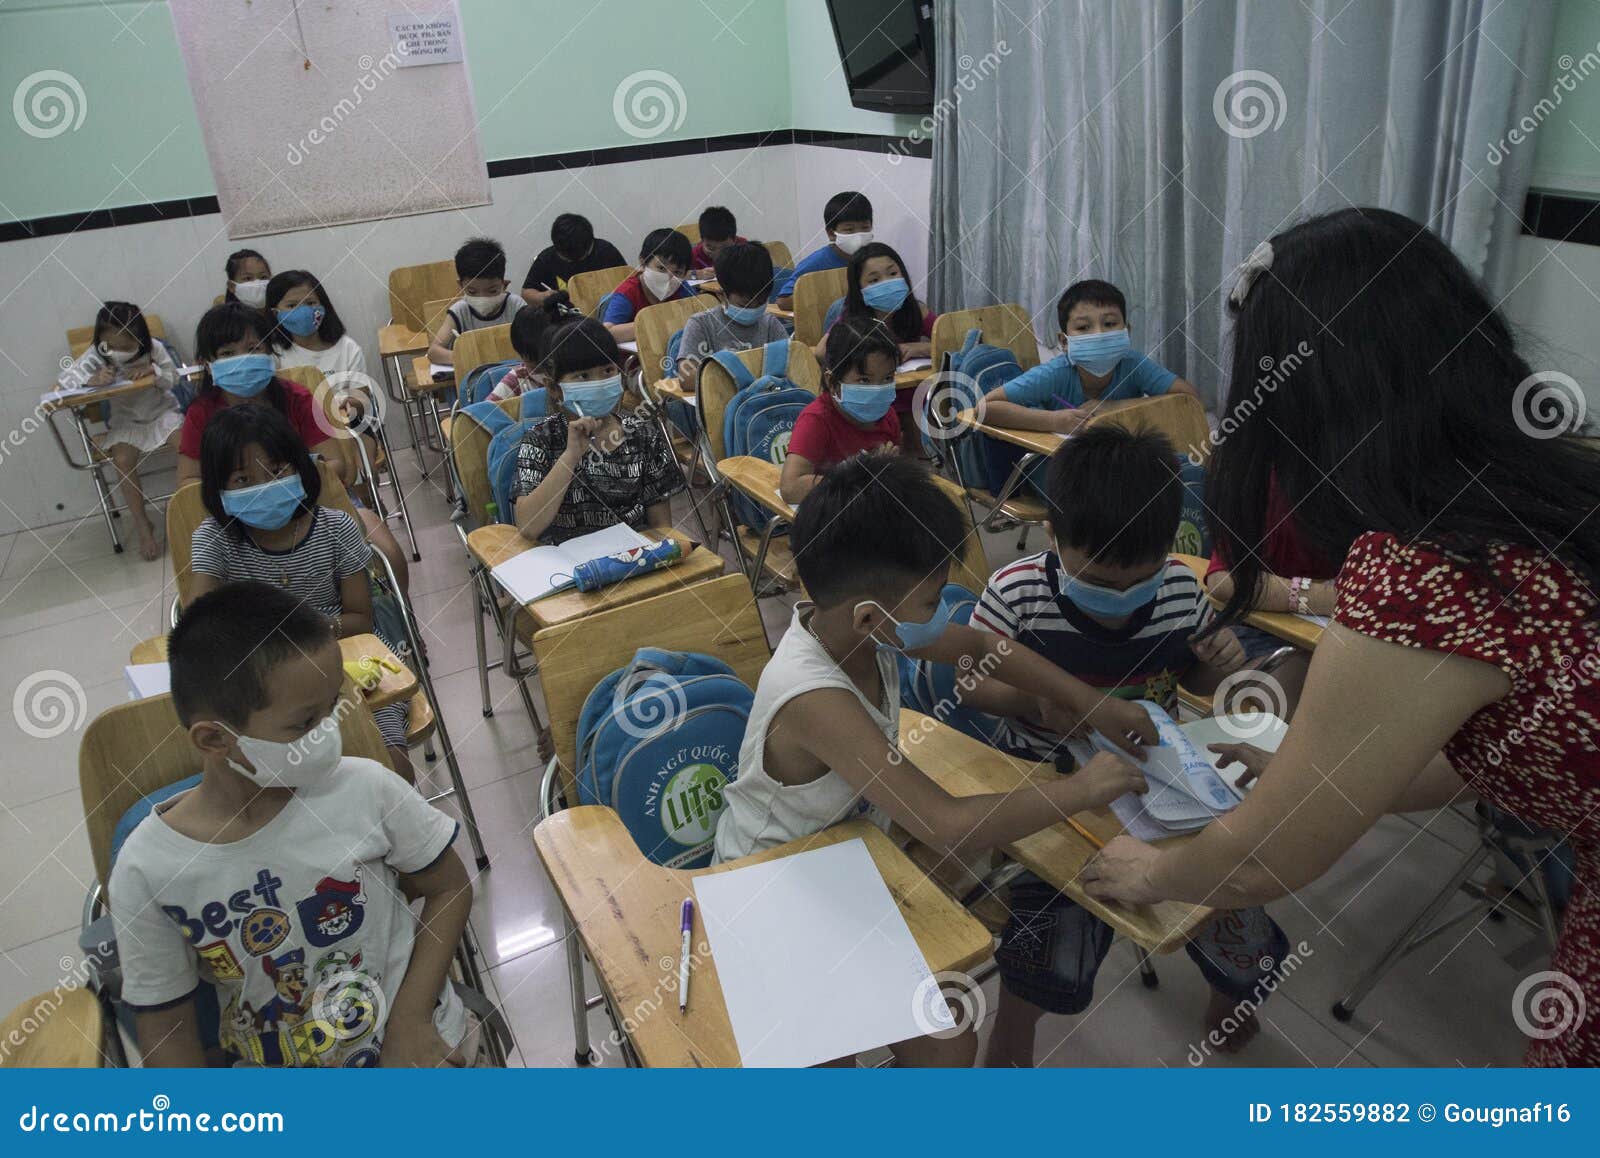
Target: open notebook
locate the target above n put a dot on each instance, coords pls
(541, 571)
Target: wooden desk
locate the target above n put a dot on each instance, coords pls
(497, 542)
(757, 479)
(963, 766)
(626, 912)
(69, 1036)
(398, 341)
(422, 380)
(1035, 441)
(674, 390)
(392, 688)
(1286, 626)
(911, 379)
(84, 400)
(779, 312)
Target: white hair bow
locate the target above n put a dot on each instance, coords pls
(1245, 276)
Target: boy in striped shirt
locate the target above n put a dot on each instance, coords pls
(1110, 606)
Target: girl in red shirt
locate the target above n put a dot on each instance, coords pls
(855, 411)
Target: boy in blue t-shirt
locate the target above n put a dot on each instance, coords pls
(848, 219)
(1097, 364)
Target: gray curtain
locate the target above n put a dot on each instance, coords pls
(1153, 143)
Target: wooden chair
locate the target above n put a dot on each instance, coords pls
(813, 294)
(413, 287)
(766, 552)
(782, 258)
(67, 1028)
(587, 289)
(691, 231)
(480, 348)
(655, 326)
(1180, 417)
(433, 312)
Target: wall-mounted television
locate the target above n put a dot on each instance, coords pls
(886, 47)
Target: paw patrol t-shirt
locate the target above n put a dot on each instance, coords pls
(300, 926)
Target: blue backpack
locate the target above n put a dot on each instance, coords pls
(971, 372)
(835, 312)
(1194, 528)
(484, 379)
(504, 435)
(761, 416)
(938, 689)
(658, 742)
(683, 416)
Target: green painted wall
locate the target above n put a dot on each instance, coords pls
(818, 95)
(1567, 145)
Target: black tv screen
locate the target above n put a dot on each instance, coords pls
(887, 50)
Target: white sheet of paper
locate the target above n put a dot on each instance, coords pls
(148, 679)
(1319, 620)
(815, 960)
(539, 571)
(914, 364)
(440, 370)
(631, 347)
(1258, 728)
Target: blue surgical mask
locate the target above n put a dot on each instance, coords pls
(302, 321)
(1110, 602)
(886, 295)
(245, 375)
(914, 636)
(744, 315)
(1099, 353)
(866, 401)
(592, 399)
(269, 506)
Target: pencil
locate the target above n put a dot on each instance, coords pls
(1085, 833)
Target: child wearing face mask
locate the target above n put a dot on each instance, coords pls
(310, 332)
(847, 217)
(484, 301)
(260, 488)
(248, 274)
(587, 467)
(879, 287)
(1097, 364)
(138, 424)
(663, 264)
(855, 411)
(1110, 606)
(284, 877)
(744, 271)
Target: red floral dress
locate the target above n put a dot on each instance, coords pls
(1533, 753)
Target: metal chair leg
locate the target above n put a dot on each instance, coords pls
(399, 492)
(1147, 970)
(581, 1052)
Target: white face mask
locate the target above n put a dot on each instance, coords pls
(662, 285)
(251, 293)
(119, 357)
(301, 763)
(850, 242)
(484, 305)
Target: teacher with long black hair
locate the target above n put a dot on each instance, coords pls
(1417, 445)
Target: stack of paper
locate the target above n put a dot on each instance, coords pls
(541, 571)
(911, 364)
(147, 679)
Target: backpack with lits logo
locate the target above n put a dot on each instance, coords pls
(658, 742)
(760, 416)
(969, 374)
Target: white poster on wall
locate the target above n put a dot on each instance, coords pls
(421, 40)
(311, 116)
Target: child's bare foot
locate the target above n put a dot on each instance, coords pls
(1236, 1025)
(547, 745)
(149, 545)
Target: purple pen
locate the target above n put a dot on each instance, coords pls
(683, 954)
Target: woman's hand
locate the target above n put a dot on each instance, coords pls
(1122, 872)
(1255, 760)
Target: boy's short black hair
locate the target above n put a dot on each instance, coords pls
(1115, 495)
(227, 641)
(853, 339)
(669, 245)
(745, 268)
(717, 223)
(480, 257)
(846, 206)
(874, 526)
(572, 235)
(1091, 291)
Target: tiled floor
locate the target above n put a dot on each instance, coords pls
(68, 605)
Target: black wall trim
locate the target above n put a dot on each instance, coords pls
(1553, 216)
(510, 167)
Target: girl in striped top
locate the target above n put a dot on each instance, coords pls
(261, 488)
